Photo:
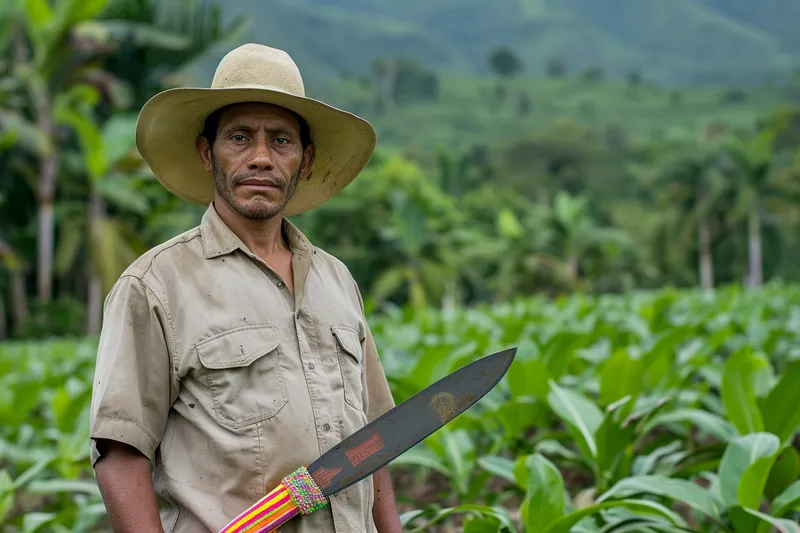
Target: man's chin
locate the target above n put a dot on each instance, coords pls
(257, 208)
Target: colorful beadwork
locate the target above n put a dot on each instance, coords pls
(304, 490)
(265, 515)
(297, 493)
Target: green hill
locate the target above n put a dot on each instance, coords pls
(466, 113)
(667, 41)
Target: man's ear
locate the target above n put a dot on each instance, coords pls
(308, 161)
(204, 151)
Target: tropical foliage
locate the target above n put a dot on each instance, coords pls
(637, 243)
(653, 412)
(593, 207)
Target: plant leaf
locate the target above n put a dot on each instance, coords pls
(52, 486)
(744, 468)
(621, 376)
(528, 378)
(544, 497)
(564, 525)
(681, 490)
(500, 467)
(498, 513)
(781, 416)
(787, 501)
(738, 392)
(785, 471)
(579, 413)
(782, 525)
(704, 420)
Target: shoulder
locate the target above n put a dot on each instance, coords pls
(338, 269)
(155, 268)
(333, 264)
(186, 246)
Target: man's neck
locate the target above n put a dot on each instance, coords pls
(262, 237)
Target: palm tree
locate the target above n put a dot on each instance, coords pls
(87, 229)
(765, 187)
(155, 41)
(49, 73)
(577, 234)
(424, 277)
(13, 264)
(690, 191)
(61, 60)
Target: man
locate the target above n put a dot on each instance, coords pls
(236, 352)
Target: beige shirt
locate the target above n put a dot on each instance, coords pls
(227, 382)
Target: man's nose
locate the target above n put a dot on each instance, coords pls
(261, 157)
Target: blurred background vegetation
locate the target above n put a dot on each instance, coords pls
(552, 147)
(552, 153)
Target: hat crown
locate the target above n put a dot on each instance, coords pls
(257, 65)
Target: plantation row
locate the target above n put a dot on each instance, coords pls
(653, 412)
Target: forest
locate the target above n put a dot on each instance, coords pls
(607, 218)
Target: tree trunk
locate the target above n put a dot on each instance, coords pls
(45, 239)
(48, 170)
(3, 320)
(95, 306)
(754, 249)
(706, 260)
(572, 268)
(97, 210)
(449, 298)
(19, 302)
(387, 76)
(46, 194)
(19, 299)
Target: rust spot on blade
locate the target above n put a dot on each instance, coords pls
(365, 449)
(324, 476)
(445, 405)
(467, 400)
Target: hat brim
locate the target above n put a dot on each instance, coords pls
(169, 123)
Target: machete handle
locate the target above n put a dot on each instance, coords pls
(296, 494)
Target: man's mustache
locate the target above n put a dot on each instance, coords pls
(275, 182)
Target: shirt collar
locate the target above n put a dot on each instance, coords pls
(218, 239)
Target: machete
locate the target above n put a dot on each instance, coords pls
(373, 446)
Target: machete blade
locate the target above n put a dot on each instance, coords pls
(408, 423)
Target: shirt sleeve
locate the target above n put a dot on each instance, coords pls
(377, 394)
(132, 388)
(379, 397)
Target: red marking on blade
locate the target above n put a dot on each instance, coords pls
(323, 476)
(365, 449)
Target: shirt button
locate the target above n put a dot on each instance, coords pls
(311, 366)
(326, 427)
(281, 284)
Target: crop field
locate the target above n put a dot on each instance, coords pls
(645, 412)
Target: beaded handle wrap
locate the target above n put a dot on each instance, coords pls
(296, 494)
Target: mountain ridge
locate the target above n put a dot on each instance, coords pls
(680, 42)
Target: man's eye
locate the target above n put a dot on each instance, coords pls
(239, 138)
(282, 140)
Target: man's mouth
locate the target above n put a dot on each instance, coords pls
(258, 183)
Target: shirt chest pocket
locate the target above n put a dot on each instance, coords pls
(245, 375)
(350, 354)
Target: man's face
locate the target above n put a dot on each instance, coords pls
(257, 159)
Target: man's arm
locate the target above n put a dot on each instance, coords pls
(384, 511)
(378, 400)
(126, 485)
(132, 392)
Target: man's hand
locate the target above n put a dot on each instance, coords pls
(126, 484)
(384, 510)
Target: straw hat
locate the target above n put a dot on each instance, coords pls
(170, 122)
